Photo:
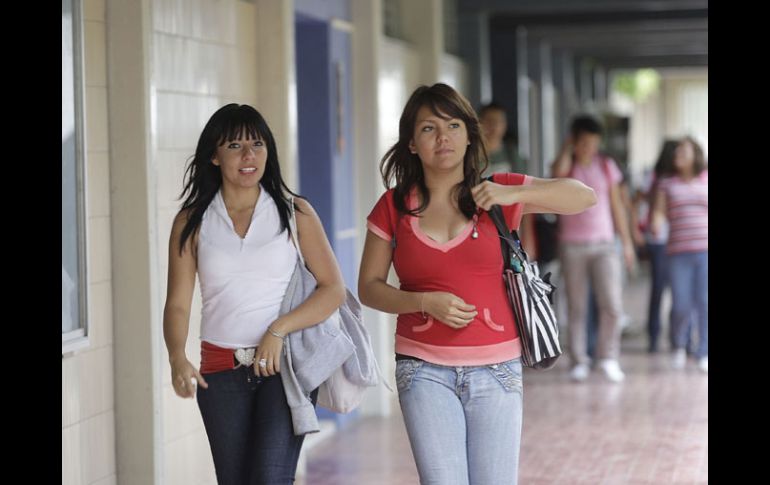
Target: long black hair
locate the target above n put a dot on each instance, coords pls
(203, 178)
(405, 167)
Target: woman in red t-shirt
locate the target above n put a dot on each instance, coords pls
(458, 369)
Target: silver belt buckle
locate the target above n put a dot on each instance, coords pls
(245, 356)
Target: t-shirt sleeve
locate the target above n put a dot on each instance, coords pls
(379, 220)
(512, 213)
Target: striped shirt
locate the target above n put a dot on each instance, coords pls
(687, 205)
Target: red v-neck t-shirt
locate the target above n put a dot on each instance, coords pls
(470, 268)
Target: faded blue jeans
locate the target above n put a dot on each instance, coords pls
(464, 423)
(690, 297)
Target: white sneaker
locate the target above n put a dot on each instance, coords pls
(703, 364)
(579, 373)
(612, 370)
(678, 359)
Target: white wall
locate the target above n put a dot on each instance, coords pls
(685, 94)
(454, 73)
(88, 405)
(678, 108)
(399, 76)
(204, 56)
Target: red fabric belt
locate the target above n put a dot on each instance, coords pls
(216, 359)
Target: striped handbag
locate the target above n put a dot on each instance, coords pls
(530, 297)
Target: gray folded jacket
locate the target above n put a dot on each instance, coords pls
(310, 355)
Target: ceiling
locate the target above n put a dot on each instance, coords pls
(615, 33)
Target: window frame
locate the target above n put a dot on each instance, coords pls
(79, 337)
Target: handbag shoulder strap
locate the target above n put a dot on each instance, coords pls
(293, 230)
(497, 216)
(510, 243)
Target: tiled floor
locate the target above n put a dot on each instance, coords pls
(652, 429)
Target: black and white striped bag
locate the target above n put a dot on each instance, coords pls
(530, 297)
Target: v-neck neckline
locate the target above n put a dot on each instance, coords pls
(429, 241)
(230, 219)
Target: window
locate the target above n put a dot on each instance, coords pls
(73, 218)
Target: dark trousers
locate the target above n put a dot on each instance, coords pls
(659, 277)
(249, 427)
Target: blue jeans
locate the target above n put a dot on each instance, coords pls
(659, 276)
(660, 281)
(690, 298)
(592, 322)
(464, 423)
(249, 427)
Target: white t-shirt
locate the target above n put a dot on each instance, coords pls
(242, 280)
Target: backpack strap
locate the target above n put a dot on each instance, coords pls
(606, 169)
(605, 161)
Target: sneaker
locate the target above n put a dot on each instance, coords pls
(678, 359)
(612, 370)
(579, 373)
(703, 364)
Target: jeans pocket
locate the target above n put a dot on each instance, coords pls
(405, 372)
(515, 366)
(508, 374)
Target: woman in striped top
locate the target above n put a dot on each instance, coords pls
(683, 200)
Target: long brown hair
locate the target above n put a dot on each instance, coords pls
(699, 164)
(405, 167)
(664, 166)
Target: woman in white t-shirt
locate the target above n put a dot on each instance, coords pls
(233, 232)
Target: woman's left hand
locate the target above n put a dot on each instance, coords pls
(268, 351)
(486, 194)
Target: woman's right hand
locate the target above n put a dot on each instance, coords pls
(448, 309)
(182, 375)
